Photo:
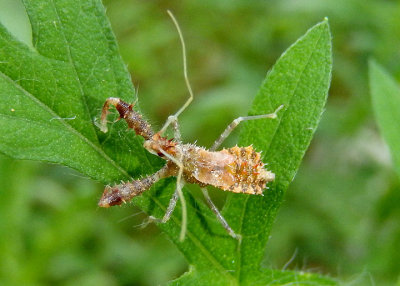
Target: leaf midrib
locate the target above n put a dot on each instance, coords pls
(72, 63)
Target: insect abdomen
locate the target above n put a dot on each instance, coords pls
(248, 171)
(237, 169)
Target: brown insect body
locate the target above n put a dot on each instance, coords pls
(236, 169)
(239, 170)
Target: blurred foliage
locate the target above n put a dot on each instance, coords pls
(341, 214)
(52, 233)
(385, 95)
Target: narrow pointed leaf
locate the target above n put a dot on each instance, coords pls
(300, 81)
(385, 95)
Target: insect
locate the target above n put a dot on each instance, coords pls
(236, 169)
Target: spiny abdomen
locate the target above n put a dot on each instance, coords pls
(237, 169)
(248, 171)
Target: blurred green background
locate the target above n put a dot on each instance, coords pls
(341, 214)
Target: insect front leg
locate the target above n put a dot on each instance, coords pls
(236, 122)
(118, 194)
(103, 120)
(126, 112)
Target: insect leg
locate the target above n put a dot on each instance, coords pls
(189, 100)
(171, 206)
(103, 121)
(170, 209)
(220, 218)
(133, 118)
(178, 191)
(118, 194)
(236, 122)
(177, 132)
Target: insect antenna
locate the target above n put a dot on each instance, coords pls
(185, 74)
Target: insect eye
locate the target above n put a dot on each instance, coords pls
(160, 154)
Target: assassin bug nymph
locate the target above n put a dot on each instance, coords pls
(236, 169)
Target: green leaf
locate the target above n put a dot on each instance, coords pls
(264, 277)
(300, 81)
(52, 93)
(385, 95)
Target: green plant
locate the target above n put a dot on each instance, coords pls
(51, 94)
(386, 103)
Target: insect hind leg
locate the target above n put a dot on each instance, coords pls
(237, 121)
(219, 216)
(170, 209)
(178, 194)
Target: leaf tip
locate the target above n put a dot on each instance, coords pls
(325, 22)
(372, 63)
(324, 25)
(375, 68)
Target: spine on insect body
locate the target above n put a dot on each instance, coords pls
(133, 118)
(237, 169)
(118, 194)
(250, 175)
